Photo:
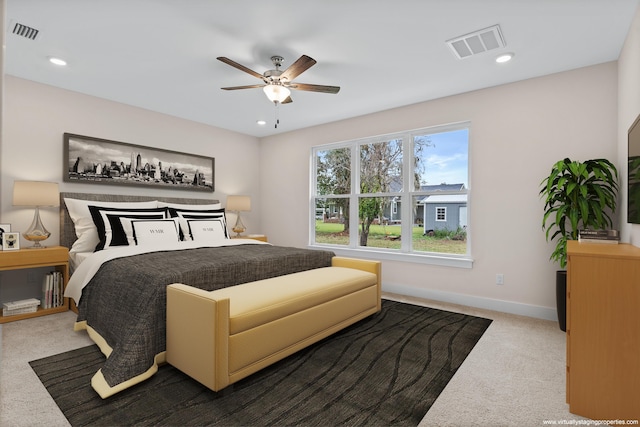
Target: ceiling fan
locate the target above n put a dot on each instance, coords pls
(277, 83)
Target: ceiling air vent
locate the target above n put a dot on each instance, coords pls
(24, 30)
(477, 42)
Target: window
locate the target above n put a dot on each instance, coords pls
(403, 194)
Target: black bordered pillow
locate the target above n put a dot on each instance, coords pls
(149, 232)
(189, 207)
(107, 221)
(174, 212)
(207, 230)
(84, 225)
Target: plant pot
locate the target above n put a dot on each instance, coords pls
(561, 298)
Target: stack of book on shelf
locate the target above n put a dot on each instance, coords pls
(52, 292)
(599, 236)
(20, 307)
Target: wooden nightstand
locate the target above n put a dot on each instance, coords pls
(260, 237)
(53, 256)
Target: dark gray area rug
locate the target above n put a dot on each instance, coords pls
(385, 370)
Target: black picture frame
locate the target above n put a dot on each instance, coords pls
(93, 160)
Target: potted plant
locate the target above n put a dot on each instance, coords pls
(577, 196)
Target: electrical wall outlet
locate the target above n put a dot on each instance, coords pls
(499, 279)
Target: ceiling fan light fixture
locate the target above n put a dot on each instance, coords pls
(276, 93)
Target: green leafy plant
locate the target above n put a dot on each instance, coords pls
(577, 195)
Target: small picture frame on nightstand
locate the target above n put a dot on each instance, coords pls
(10, 241)
(4, 228)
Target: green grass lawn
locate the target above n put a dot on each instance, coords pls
(333, 234)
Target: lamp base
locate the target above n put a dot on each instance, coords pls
(239, 226)
(36, 245)
(36, 232)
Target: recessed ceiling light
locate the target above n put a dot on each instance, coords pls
(57, 61)
(505, 57)
(261, 122)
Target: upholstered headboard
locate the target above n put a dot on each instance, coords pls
(67, 229)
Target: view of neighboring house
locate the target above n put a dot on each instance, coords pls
(444, 212)
(444, 207)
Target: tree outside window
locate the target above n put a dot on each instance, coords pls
(386, 189)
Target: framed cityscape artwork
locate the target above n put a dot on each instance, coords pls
(100, 161)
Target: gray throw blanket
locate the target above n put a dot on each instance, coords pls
(125, 302)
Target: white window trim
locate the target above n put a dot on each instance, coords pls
(444, 209)
(404, 254)
(429, 258)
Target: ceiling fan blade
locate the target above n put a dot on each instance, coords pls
(239, 66)
(288, 100)
(241, 87)
(301, 65)
(315, 88)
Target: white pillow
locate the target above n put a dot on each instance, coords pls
(190, 207)
(146, 232)
(183, 217)
(86, 231)
(207, 230)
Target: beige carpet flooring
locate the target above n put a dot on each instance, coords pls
(515, 376)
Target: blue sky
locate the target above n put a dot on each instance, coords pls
(447, 158)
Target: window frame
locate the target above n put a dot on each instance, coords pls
(405, 253)
(442, 209)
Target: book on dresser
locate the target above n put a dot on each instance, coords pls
(599, 236)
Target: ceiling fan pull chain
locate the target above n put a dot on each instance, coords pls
(277, 110)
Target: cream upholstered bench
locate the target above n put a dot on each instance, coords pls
(219, 337)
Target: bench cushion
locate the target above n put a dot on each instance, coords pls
(257, 303)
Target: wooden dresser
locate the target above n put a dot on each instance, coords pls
(603, 331)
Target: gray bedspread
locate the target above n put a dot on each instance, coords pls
(125, 302)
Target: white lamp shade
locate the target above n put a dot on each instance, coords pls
(276, 92)
(36, 193)
(239, 203)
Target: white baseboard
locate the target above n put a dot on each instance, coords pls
(511, 307)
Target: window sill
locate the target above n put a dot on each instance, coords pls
(445, 260)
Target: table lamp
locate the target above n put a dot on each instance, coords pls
(238, 204)
(36, 194)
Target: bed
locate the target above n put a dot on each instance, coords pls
(120, 291)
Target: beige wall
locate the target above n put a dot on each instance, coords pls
(2, 37)
(36, 116)
(517, 132)
(628, 110)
